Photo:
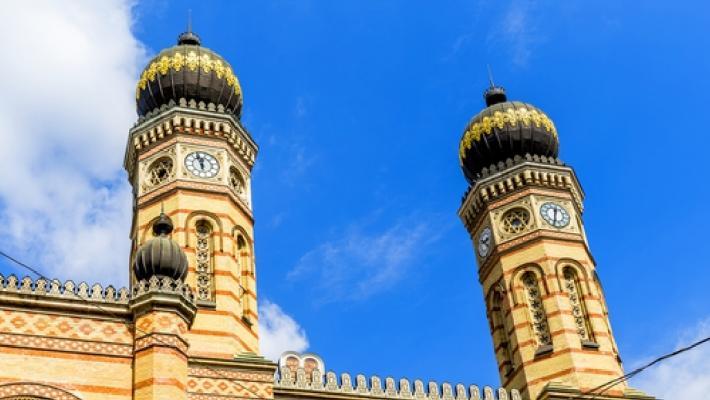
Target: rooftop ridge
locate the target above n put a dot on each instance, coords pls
(404, 389)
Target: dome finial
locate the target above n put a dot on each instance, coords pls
(189, 37)
(494, 94)
(163, 226)
(160, 256)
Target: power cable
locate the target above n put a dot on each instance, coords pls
(608, 385)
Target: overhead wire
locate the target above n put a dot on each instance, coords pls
(609, 384)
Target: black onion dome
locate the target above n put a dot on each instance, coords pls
(188, 71)
(160, 256)
(505, 129)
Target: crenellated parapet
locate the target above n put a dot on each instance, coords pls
(12, 286)
(320, 385)
(70, 296)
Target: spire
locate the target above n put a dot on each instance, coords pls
(490, 76)
(188, 37)
(494, 94)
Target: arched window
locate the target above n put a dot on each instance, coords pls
(579, 311)
(245, 263)
(236, 182)
(204, 268)
(500, 335)
(538, 317)
(160, 171)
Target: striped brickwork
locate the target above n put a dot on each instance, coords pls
(160, 369)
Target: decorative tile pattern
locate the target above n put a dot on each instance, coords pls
(212, 383)
(29, 323)
(198, 387)
(161, 322)
(68, 345)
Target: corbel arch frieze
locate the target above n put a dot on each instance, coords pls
(34, 391)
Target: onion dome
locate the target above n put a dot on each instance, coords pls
(188, 71)
(505, 129)
(160, 256)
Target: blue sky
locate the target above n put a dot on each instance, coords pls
(358, 107)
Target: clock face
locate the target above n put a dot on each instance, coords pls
(554, 214)
(485, 240)
(201, 164)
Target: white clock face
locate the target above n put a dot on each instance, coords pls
(554, 214)
(201, 164)
(485, 240)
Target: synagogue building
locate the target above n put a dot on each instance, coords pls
(187, 325)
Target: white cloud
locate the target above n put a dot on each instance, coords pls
(279, 332)
(518, 31)
(684, 376)
(358, 265)
(68, 79)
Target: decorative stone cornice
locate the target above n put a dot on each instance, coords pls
(505, 178)
(344, 388)
(241, 362)
(189, 117)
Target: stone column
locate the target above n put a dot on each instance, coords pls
(163, 310)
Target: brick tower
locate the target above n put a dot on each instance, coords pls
(190, 156)
(523, 211)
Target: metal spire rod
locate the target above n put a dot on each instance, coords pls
(189, 20)
(490, 75)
